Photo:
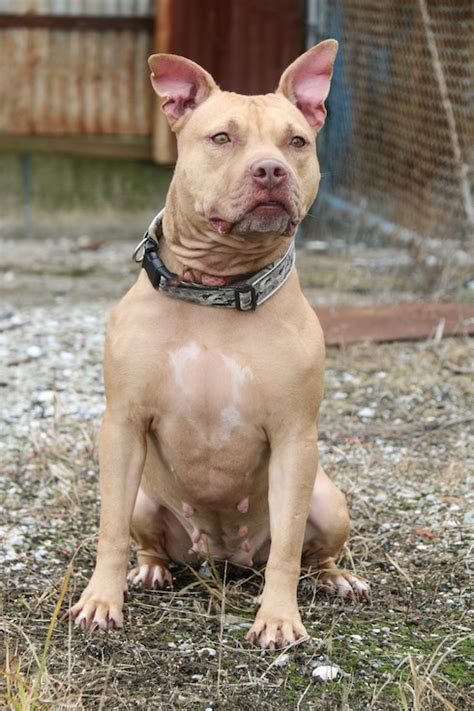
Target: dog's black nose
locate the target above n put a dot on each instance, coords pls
(268, 173)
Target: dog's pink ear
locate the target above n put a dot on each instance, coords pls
(306, 82)
(182, 82)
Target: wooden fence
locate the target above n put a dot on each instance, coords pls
(75, 77)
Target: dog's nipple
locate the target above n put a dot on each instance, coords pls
(196, 536)
(243, 506)
(187, 510)
(243, 530)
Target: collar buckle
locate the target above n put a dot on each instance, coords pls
(245, 298)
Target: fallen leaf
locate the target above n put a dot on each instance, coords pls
(425, 533)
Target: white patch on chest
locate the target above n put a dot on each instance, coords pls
(238, 376)
(180, 360)
(230, 415)
(230, 419)
(188, 369)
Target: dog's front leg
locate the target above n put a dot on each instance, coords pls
(122, 451)
(293, 466)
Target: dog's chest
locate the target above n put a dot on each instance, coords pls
(208, 428)
(211, 390)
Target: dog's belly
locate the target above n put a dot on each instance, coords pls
(211, 473)
(218, 495)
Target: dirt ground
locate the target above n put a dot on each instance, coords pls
(396, 436)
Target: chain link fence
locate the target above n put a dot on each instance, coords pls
(397, 152)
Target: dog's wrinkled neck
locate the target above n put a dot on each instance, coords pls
(196, 252)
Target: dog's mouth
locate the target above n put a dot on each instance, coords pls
(263, 212)
(275, 205)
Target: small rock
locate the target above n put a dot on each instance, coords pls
(83, 241)
(316, 245)
(469, 518)
(281, 661)
(366, 412)
(34, 352)
(45, 396)
(207, 650)
(7, 311)
(326, 672)
(67, 355)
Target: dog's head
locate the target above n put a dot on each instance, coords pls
(247, 163)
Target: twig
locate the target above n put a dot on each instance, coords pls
(221, 636)
(404, 575)
(275, 661)
(298, 705)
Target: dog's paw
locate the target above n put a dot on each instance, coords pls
(151, 576)
(344, 584)
(97, 611)
(276, 631)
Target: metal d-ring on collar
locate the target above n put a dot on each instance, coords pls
(243, 296)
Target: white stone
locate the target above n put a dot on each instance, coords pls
(45, 396)
(67, 355)
(207, 650)
(366, 412)
(326, 672)
(282, 660)
(34, 352)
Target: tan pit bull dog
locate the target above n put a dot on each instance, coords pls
(214, 361)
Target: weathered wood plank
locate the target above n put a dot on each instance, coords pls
(343, 325)
(77, 22)
(127, 147)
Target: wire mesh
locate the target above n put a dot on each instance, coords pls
(398, 147)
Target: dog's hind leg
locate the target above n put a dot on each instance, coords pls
(160, 538)
(327, 529)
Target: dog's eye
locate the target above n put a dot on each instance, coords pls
(221, 138)
(298, 142)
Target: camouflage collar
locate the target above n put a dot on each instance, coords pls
(245, 295)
